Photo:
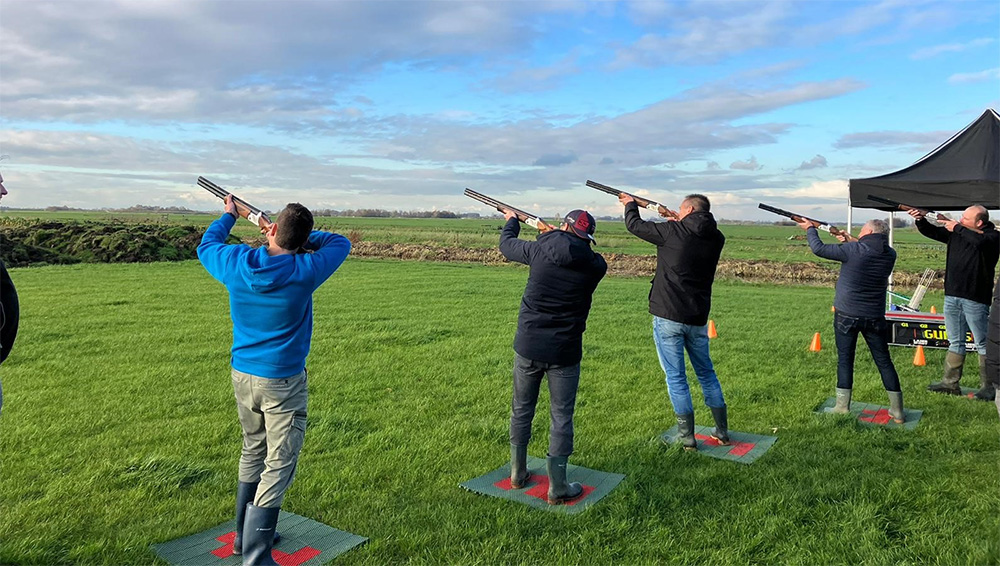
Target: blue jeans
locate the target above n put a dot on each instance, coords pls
(671, 339)
(962, 316)
(876, 332)
(563, 383)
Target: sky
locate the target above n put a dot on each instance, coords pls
(402, 105)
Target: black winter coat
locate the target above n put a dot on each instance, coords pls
(564, 273)
(971, 260)
(9, 313)
(687, 253)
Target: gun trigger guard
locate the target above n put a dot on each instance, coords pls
(255, 218)
(654, 207)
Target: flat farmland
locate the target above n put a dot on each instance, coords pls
(119, 427)
(781, 244)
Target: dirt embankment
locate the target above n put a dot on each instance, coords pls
(756, 270)
(26, 243)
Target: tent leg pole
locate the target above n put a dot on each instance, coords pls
(850, 214)
(892, 233)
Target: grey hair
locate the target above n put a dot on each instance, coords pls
(878, 226)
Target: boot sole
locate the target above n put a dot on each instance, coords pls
(523, 484)
(722, 442)
(562, 500)
(956, 392)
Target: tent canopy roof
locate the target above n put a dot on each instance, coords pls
(963, 171)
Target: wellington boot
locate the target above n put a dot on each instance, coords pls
(721, 431)
(685, 431)
(843, 405)
(953, 365)
(258, 535)
(245, 492)
(559, 490)
(987, 383)
(896, 407)
(519, 474)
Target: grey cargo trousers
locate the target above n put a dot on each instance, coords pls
(273, 417)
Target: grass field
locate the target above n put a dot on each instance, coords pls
(742, 241)
(119, 428)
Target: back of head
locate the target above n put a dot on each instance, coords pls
(877, 226)
(698, 203)
(981, 214)
(295, 223)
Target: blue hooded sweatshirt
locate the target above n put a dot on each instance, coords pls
(270, 297)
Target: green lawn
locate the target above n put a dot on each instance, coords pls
(770, 242)
(119, 428)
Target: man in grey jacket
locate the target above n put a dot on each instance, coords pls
(860, 307)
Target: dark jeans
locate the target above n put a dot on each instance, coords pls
(563, 381)
(876, 333)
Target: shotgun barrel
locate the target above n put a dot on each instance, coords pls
(905, 207)
(643, 202)
(245, 209)
(819, 224)
(529, 219)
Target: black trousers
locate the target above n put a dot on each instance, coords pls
(563, 382)
(876, 333)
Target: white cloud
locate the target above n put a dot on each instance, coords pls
(748, 165)
(815, 163)
(934, 51)
(987, 75)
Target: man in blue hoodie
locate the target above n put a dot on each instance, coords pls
(270, 302)
(859, 301)
(564, 273)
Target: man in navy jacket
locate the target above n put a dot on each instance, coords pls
(860, 307)
(564, 273)
(270, 302)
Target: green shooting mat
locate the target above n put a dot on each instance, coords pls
(304, 542)
(596, 485)
(744, 447)
(874, 415)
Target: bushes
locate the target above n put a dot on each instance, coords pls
(44, 242)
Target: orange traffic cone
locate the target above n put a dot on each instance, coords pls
(711, 330)
(918, 358)
(815, 346)
(933, 309)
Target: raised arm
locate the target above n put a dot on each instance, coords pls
(213, 252)
(835, 252)
(649, 231)
(512, 247)
(938, 233)
(329, 252)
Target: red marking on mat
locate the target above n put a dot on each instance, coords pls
(879, 417)
(540, 488)
(737, 448)
(971, 395)
(285, 559)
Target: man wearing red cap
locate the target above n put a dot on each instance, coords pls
(564, 272)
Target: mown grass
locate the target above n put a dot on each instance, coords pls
(119, 429)
(771, 242)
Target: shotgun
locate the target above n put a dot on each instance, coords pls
(529, 219)
(905, 207)
(243, 208)
(819, 224)
(643, 202)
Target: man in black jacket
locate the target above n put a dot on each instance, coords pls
(564, 273)
(860, 307)
(687, 253)
(970, 264)
(9, 310)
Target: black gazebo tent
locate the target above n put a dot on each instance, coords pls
(963, 171)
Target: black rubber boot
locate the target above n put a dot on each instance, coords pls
(245, 492)
(258, 535)
(685, 431)
(953, 365)
(559, 490)
(721, 431)
(519, 474)
(987, 383)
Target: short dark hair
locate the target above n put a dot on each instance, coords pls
(982, 215)
(699, 202)
(295, 223)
